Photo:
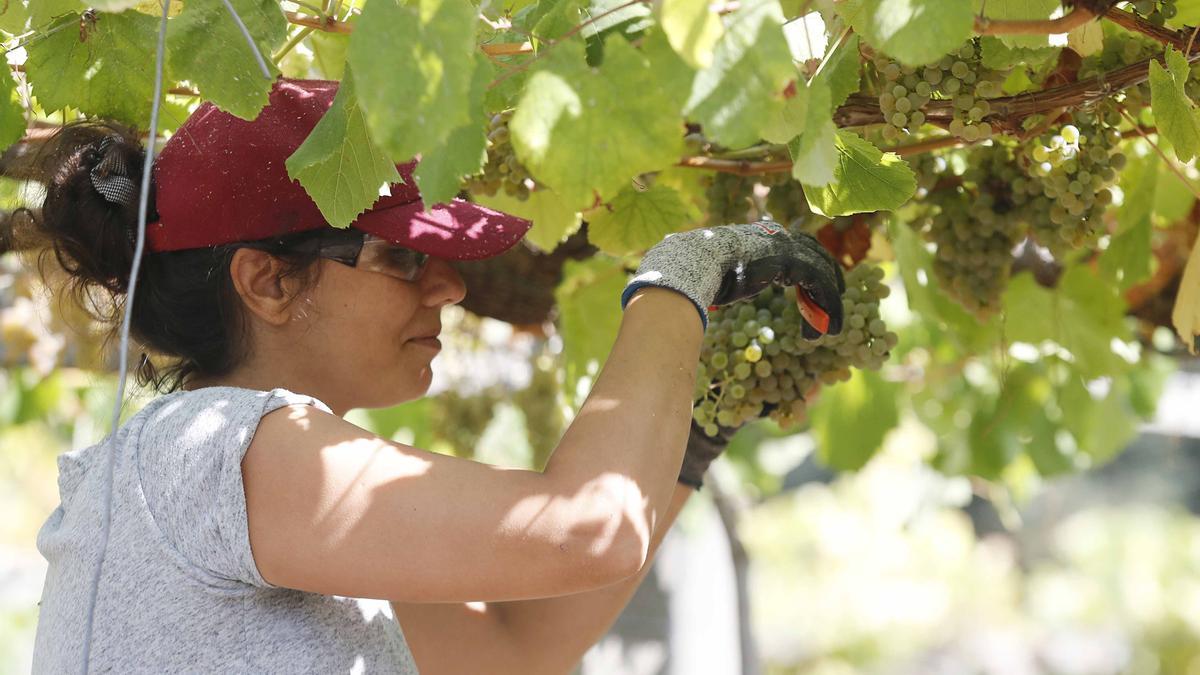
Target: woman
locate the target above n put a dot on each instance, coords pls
(246, 512)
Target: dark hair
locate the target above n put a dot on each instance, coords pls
(186, 313)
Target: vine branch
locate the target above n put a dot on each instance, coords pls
(1063, 24)
(1134, 23)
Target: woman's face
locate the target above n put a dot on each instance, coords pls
(366, 339)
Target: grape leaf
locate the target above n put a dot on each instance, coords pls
(589, 315)
(1083, 315)
(414, 64)
(851, 419)
(636, 220)
(814, 154)
(735, 97)
(439, 174)
(1008, 10)
(338, 164)
(14, 17)
(12, 116)
(559, 17)
(996, 54)
(113, 5)
(842, 73)
(914, 32)
(110, 74)
(553, 220)
(42, 12)
(864, 179)
(1127, 259)
(579, 130)
(790, 120)
(329, 53)
(1178, 120)
(209, 50)
(1102, 422)
(1087, 39)
(814, 151)
(692, 28)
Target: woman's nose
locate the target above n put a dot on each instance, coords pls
(441, 284)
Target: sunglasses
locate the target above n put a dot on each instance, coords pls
(353, 248)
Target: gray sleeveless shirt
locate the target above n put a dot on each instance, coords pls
(179, 591)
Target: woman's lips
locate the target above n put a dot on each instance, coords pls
(430, 342)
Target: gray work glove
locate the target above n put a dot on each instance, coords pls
(703, 449)
(715, 266)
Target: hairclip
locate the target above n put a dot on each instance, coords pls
(110, 177)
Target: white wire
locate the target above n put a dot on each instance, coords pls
(262, 63)
(143, 205)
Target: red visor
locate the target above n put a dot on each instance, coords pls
(221, 179)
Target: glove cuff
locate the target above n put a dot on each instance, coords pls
(638, 283)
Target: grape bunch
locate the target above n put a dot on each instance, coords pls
(730, 198)
(459, 420)
(539, 403)
(958, 77)
(975, 224)
(1156, 12)
(786, 202)
(902, 95)
(1067, 178)
(755, 355)
(503, 170)
(1122, 49)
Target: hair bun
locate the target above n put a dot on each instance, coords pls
(89, 216)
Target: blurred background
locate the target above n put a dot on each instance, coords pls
(781, 564)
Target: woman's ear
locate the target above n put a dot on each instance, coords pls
(256, 277)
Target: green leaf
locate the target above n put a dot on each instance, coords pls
(1174, 198)
(1087, 39)
(414, 64)
(791, 120)
(329, 53)
(338, 164)
(14, 17)
(914, 32)
(110, 74)
(559, 18)
(553, 219)
(1101, 422)
(814, 151)
(743, 89)
(864, 179)
(1127, 259)
(636, 220)
(1083, 315)
(1009, 10)
(42, 12)
(996, 54)
(112, 5)
(850, 419)
(589, 315)
(1177, 118)
(842, 73)
(580, 130)
(439, 174)
(12, 115)
(208, 49)
(692, 28)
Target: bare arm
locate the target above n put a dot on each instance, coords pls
(529, 637)
(334, 509)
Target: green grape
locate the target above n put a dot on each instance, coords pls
(502, 171)
(753, 353)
